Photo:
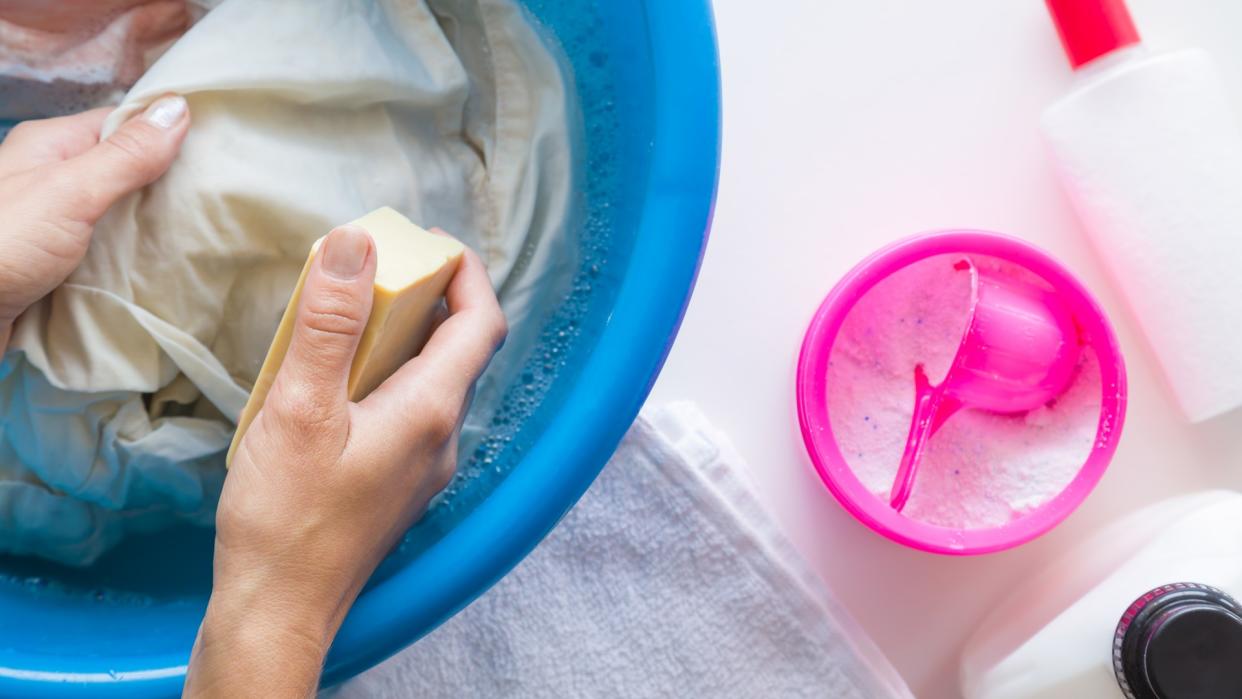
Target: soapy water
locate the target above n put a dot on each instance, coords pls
(611, 194)
(611, 174)
(42, 77)
(980, 469)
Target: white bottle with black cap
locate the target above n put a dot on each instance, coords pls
(1146, 609)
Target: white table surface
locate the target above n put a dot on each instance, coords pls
(848, 125)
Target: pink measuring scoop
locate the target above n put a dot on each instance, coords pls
(1017, 353)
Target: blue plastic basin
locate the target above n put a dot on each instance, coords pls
(646, 78)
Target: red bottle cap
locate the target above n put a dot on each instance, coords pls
(1091, 28)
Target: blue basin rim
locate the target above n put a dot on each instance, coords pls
(614, 381)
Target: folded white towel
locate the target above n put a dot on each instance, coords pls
(667, 579)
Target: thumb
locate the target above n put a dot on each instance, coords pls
(135, 155)
(331, 315)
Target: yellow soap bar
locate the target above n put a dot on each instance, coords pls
(413, 268)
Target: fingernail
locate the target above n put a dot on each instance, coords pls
(165, 112)
(345, 252)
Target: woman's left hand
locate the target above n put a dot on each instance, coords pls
(57, 179)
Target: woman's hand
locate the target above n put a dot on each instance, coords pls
(320, 488)
(57, 178)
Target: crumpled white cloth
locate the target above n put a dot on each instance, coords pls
(122, 386)
(668, 579)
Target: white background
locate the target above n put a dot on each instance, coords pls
(848, 125)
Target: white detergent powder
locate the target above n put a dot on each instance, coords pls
(980, 469)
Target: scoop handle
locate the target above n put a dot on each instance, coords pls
(932, 406)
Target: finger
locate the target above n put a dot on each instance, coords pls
(465, 409)
(45, 141)
(475, 327)
(332, 312)
(457, 352)
(438, 319)
(133, 156)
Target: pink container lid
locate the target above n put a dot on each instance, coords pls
(812, 393)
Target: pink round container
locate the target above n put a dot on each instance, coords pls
(812, 390)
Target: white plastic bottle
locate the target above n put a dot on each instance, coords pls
(1146, 609)
(1148, 148)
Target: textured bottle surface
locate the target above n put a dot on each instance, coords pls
(1148, 149)
(1053, 637)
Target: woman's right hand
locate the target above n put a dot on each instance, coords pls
(320, 488)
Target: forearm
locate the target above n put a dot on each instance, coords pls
(262, 643)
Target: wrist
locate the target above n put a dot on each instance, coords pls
(262, 642)
(257, 633)
(267, 609)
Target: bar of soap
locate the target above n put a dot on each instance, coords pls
(413, 268)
